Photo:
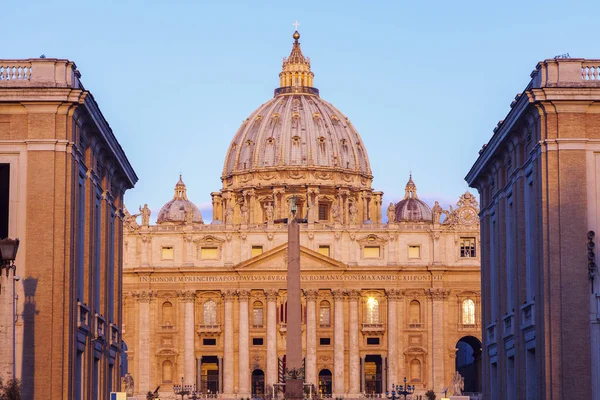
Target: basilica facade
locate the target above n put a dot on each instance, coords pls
(383, 298)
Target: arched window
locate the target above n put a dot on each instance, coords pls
(167, 313)
(324, 313)
(257, 314)
(415, 312)
(167, 372)
(468, 312)
(210, 313)
(415, 370)
(372, 311)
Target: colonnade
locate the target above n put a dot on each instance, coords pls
(345, 356)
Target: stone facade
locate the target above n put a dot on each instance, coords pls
(67, 175)
(206, 303)
(538, 181)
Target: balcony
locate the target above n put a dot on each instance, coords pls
(282, 327)
(100, 327)
(415, 325)
(83, 316)
(528, 315)
(209, 329)
(491, 333)
(468, 327)
(114, 335)
(167, 328)
(373, 328)
(508, 326)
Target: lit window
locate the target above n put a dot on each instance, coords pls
(257, 251)
(257, 314)
(210, 312)
(467, 247)
(414, 251)
(209, 253)
(371, 252)
(323, 211)
(468, 312)
(324, 250)
(325, 313)
(167, 253)
(372, 310)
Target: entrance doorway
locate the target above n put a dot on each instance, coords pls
(258, 383)
(373, 374)
(468, 362)
(209, 374)
(325, 382)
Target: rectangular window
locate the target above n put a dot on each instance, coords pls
(257, 251)
(323, 212)
(257, 341)
(167, 253)
(4, 196)
(209, 342)
(371, 252)
(467, 247)
(373, 340)
(414, 251)
(209, 253)
(325, 341)
(324, 250)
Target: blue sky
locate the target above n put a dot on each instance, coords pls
(423, 82)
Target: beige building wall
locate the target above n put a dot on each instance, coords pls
(64, 162)
(537, 178)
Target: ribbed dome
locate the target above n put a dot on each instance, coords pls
(296, 129)
(411, 208)
(176, 209)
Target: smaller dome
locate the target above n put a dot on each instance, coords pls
(411, 208)
(176, 210)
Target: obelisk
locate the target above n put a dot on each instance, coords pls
(294, 383)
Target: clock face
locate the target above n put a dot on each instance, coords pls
(468, 216)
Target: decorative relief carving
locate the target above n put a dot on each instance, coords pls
(353, 294)
(144, 296)
(338, 294)
(311, 235)
(395, 294)
(311, 294)
(271, 294)
(337, 235)
(437, 293)
(229, 295)
(323, 175)
(186, 295)
(243, 295)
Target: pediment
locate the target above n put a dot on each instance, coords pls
(276, 260)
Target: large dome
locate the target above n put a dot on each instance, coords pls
(177, 209)
(411, 208)
(296, 129)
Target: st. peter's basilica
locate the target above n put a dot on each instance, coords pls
(383, 299)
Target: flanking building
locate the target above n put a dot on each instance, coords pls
(539, 182)
(383, 298)
(62, 179)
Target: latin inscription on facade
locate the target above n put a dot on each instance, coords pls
(282, 278)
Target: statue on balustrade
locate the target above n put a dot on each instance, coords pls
(145, 215)
(391, 213)
(436, 211)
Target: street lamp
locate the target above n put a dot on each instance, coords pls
(8, 254)
(400, 390)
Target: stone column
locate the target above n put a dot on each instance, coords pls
(188, 297)
(6, 326)
(353, 354)
(146, 247)
(392, 333)
(143, 355)
(338, 342)
(228, 351)
(189, 248)
(244, 345)
(362, 374)
(437, 296)
(271, 377)
(311, 336)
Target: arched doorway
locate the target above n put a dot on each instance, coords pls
(258, 383)
(325, 382)
(468, 362)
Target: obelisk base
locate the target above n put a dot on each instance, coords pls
(294, 389)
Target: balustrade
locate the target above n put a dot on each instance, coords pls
(15, 71)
